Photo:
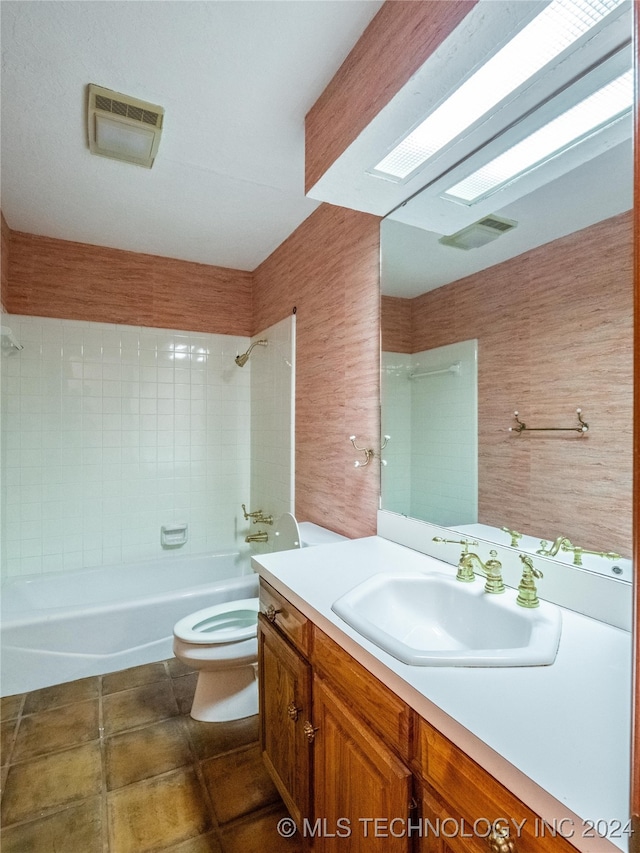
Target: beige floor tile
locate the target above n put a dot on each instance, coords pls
(183, 688)
(202, 844)
(133, 677)
(211, 739)
(53, 780)
(7, 731)
(141, 753)
(59, 728)
(11, 706)
(260, 835)
(138, 706)
(238, 783)
(178, 668)
(76, 829)
(62, 694)
(157, 813)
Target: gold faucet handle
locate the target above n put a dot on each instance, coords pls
(527, 592)
(247, 515)
(493, 570)
(514, 536)
(465, 542)
(529, 567)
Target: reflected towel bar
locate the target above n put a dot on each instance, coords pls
(582, 427)
(454, 368)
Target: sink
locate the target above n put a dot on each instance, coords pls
(434, 620)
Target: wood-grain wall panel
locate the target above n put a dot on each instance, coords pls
(555, 332)
(328, 269)
(5, 249)
(395, 322)
(76, 281)
(396, 43)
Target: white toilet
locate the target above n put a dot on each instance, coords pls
(221, 641)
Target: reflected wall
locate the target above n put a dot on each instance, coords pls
(555, 332)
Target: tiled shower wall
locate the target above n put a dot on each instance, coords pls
(432, 455)
(110, 431)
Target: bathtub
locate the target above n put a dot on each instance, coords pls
(66, 625)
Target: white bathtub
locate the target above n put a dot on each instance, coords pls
(62, 626)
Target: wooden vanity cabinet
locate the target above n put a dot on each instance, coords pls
(474, 807)
(359, 784)
(343, 750)
(284, 688)
(317, 741)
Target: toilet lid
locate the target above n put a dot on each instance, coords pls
(228, 622)
(286, 533)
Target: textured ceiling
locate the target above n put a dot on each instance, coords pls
(236, 80)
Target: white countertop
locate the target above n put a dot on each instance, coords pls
(557, 736)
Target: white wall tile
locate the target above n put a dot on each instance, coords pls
(105, 437)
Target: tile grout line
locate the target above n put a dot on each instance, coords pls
(195, 763)
(104, 812)
(12, 744)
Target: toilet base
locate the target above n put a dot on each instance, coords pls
(224, 695)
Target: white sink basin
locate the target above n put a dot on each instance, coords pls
(434, 620)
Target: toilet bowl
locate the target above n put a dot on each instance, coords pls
(221, 641)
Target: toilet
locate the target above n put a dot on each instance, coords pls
(221, 641)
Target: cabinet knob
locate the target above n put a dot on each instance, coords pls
(271, 613)
(293, 712)
(309, 731)
(499, 841)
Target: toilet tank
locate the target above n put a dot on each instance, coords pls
(312, 534)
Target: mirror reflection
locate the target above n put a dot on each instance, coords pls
(519, 299)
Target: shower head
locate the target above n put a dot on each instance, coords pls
(241, 360)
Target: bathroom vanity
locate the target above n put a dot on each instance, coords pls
(373, 754)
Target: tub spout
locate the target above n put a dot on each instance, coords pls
(260, 536)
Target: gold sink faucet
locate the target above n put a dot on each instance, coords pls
(560, 542)
(470, 564)
(564, 544)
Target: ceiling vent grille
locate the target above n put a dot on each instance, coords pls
(499, 224)
(480, 233)
(123, 128)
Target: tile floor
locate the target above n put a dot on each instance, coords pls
(115, 764)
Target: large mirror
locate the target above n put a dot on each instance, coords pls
(517, 296)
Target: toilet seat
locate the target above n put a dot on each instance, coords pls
(229, 622)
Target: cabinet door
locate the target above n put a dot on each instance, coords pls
(284, 684)
(437, 830)
(362, 791)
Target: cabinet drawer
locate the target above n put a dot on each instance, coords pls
(473, 795)
(281, 613)
(381, 709)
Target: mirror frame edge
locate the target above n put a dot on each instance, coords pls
(635, 692)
